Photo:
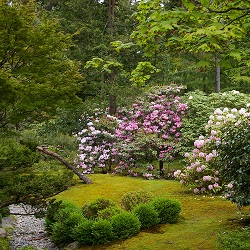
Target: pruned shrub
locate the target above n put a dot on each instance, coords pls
(58, 211)
(108, 212)
(168, 209)
(62, 229)
(147, 215)
(90, 210)
(125, 224)
(51, 212)
(102, 231)
(61, 218)
(82, 232)
(132, 199)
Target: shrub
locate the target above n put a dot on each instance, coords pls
(102, 231)
(168, 209)
(58, 211)
(90, 210)
(108, 212)
(82, 233)
(52, 209)
(125, 224)
(147, 215)
(1, 218)
(236, 239)
(234, 160)
(132, 199)
(62, 229)
(62, 217)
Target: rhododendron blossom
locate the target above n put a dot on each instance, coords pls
(152, 128)
(205, 176)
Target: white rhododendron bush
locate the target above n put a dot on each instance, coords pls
(220, 160)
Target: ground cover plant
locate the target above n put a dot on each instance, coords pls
(202, 217)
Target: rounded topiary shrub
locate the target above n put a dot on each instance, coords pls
(90, 210)
(102, 231)
(147, 215)
(168, 209)
(66, 220)
(82, 232)
(108, 212)
(132, 199)
(125, 224)
(58, 211)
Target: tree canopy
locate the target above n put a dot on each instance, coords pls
(213, 30)
(35, 74)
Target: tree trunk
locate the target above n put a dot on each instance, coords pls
(111, 29)
(68, 165)
(217, 75)
(111, 15)
(161, 167)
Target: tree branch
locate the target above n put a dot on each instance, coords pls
(228, 10)
(68, 165)
(237, 18)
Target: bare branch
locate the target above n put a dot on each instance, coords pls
(228, 10)
(68, 165)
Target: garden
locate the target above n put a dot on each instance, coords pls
(151, 182)
(125, 124)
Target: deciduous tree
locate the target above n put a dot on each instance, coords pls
(35, 74)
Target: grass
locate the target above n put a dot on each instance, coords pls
(202, 217)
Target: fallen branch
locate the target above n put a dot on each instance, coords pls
(68, 165)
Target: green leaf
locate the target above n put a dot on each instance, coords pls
(205, 3)
(166, 25)
(188, 4)
(235, 54)
(202, 64)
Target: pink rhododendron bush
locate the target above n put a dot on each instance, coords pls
(148, 131)
(220, 160)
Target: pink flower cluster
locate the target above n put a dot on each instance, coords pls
(201, 170)
(148, 131)
(151, 128)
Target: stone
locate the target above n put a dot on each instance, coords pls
(8, 222)
(3, 233)
(71, 246)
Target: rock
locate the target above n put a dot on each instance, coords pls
(71, 246)
(29, 231)
(8, 222)
(3, 233)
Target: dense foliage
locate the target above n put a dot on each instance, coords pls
(35, 74)
(220, 159)
(20, 180)
(146, 132)
(67, 223)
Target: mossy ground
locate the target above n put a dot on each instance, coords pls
(201, 219)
